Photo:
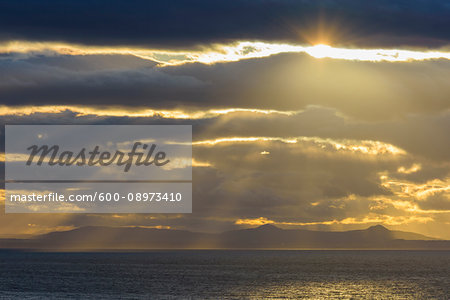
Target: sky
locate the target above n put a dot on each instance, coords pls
(323, 115)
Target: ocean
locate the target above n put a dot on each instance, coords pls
(205, 274)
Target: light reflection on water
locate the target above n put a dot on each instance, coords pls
(227, 275)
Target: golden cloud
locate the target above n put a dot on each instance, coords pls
(219, 53)
(80, 111)
(368, 147)
(370, 219)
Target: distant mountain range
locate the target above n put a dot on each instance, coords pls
(263, 237)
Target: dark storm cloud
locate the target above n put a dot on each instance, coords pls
(366, 90)
(76, 82)
(186, 23)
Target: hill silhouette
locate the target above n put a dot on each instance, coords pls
(263, 237)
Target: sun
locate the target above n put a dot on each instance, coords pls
(320, 51)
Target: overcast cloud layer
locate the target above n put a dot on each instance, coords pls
(381, 23)
(285, 82)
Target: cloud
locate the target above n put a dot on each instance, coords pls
(423, 136)
(218, 53)
(283, 83)
(134, 112)
(370, 219)
(180, 22)
(362, 147)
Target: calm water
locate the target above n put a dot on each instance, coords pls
(226, 275)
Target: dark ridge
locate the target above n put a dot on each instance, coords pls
(266, 236)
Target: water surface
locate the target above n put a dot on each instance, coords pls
(226, 275)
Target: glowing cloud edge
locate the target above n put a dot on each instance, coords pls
(221, 53)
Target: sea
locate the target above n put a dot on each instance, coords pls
(227, 274)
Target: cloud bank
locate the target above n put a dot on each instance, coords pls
(381, 23)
